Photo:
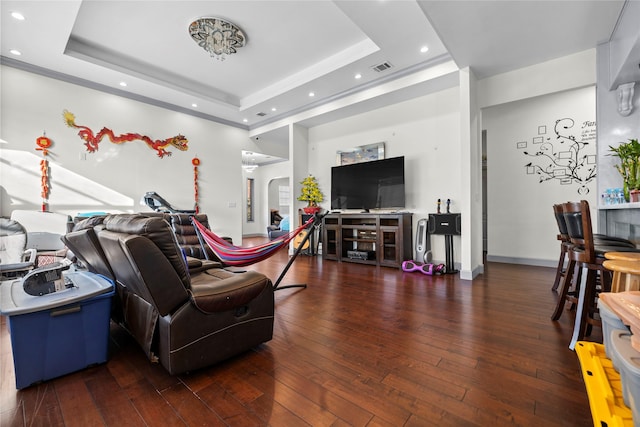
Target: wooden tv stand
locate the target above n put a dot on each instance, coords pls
(367, 238)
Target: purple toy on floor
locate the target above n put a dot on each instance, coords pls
(428, 269)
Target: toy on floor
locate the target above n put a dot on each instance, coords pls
(428, 269)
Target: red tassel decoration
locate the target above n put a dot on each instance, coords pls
(195, 162)
(43, 143)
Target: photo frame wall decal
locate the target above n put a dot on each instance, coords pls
(566, 156)
(363, 153)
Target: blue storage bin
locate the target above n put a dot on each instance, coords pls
(58, 333)
(629, 359)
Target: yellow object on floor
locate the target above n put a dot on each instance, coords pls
(603, 386)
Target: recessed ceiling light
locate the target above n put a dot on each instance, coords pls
(15, 52)
(424, 49)
(358, 76)
(18, 16)
(245, 120)
(123, 84)
(194, 105)
(311, 94)
(274, 109)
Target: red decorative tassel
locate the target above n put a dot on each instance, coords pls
(43, 143)
(195, 162)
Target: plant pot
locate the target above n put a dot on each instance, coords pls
(634, 196)
(310, 210)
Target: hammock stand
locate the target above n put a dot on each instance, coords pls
(237, 256)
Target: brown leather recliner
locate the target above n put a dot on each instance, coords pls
(85, 251)
(187, 236)
(186, 233)
(186, 321)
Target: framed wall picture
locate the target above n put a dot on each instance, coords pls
(364, 153)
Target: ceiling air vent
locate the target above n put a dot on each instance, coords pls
(261, 114)
(381, 67)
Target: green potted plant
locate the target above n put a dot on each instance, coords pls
(629, 167)
(311, 194)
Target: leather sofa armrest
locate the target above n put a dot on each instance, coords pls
(193, 263)
(219, 290)
(196, 265)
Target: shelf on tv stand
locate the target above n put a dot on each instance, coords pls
(386, 236)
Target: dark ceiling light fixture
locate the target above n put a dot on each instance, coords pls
(218, 37)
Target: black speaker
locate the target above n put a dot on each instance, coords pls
(423, 243)
(445, 223)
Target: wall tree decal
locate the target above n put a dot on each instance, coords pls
(566, 158)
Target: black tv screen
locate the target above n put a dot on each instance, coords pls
(377, 184)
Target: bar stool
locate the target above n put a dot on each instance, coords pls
(625, 267)
(623, 256)
(565, 243)
(601, 243)
(626, 275)
(585, 254)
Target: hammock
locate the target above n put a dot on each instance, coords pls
(238, 256)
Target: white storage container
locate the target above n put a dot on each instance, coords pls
(629, 367)
(610, 322)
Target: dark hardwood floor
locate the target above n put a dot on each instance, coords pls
(361, 346)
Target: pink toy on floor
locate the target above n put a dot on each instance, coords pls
(428, 269)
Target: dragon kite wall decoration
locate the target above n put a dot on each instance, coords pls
(92, 140)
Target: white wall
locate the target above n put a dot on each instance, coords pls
(613, 128)
(254, 227)
(471, 160)
(557, 75)
(298, 170)
(115, 177)
(521, 225)
(274, 194)
(262, 177)
(425, 130)
(508, 93)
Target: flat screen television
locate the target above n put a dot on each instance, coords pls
(377, 184)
